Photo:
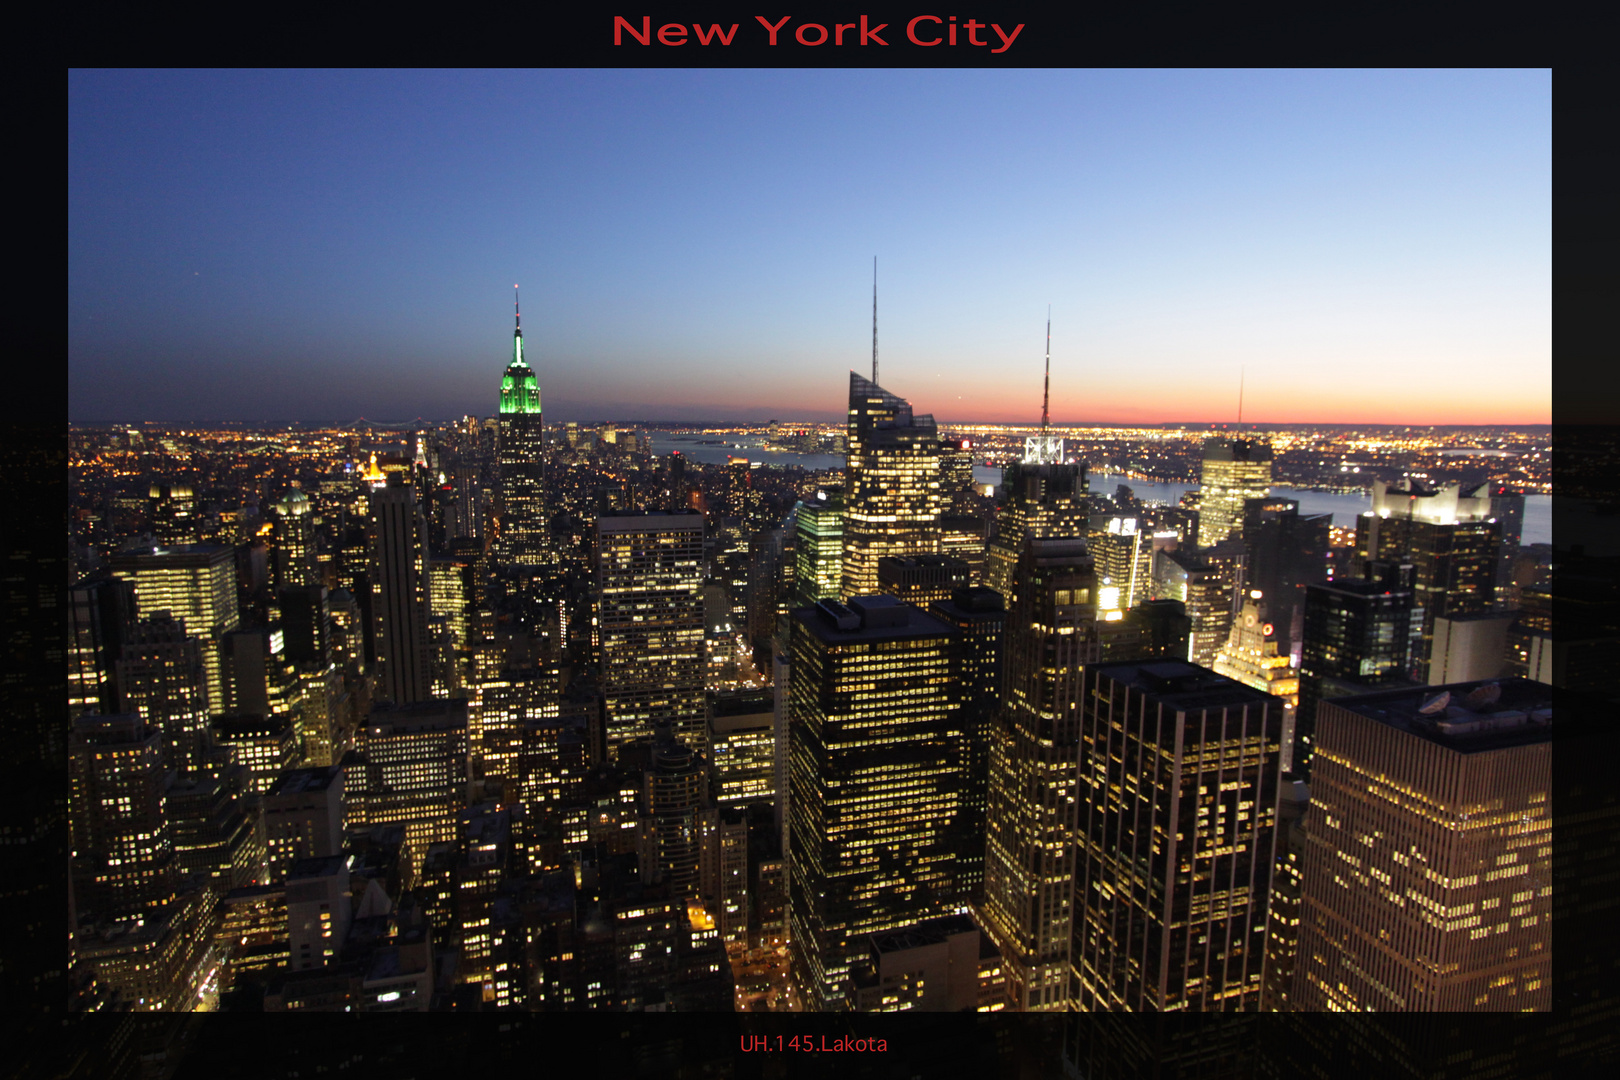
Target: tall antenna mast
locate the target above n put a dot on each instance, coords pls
(874, 319)
(1046, 389)
(517, 312)
(1240, 396)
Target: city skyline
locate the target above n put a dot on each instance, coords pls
(350, 237)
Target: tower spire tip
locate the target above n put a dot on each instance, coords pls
(874, 322)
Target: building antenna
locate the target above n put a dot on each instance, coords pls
(874, 320)
(517, 312)
(1046, 389)
(1240, 396)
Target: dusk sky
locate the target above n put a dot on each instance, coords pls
(277, 246)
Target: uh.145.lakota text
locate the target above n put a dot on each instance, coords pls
(769, 1044)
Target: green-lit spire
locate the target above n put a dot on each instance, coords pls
(520, 386)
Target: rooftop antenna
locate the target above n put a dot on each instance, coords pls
(1046, 389)
(516, 311)
(874, 320)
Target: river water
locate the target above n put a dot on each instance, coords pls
(1344, 508)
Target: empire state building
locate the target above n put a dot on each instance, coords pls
(521, 461)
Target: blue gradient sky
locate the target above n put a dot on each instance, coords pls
(1368, 246)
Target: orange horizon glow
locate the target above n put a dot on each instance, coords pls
(1382, 413)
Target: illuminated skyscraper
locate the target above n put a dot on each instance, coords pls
(892, 481)
(742, 498)
(140, 929)
(521, 461)
(160, 678)
(1177, 829)
(399, 601)
(818, 547)
(123, 850)
(878, 763)
(1124, 557)
(295, 539)
(508, 701)
(1034, 754)
(197, 585)
(452, 602)
(1206, 581)
(266, 746)
(649, 610)
(1358, 636)
(1234, 470)
(174, 514)
(1040, 497)
(411, 769)
(956, 470)
(742, 747)
(1452, 542)
(980, 617)
(1428, 864)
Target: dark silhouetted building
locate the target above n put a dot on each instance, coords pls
(1358, 636)
(920, 580)
(398, 577)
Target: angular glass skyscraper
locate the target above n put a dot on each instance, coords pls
(892, 483)
(520, 455)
